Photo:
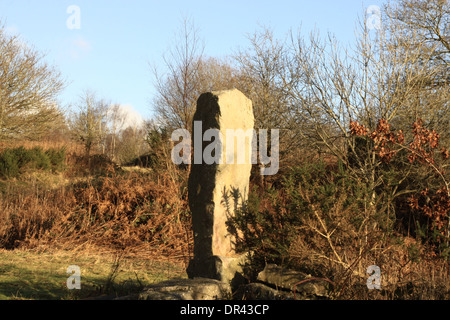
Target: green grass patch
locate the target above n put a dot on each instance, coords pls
(43, 276)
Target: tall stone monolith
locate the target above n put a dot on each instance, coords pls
(219, 180)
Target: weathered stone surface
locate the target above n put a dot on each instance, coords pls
(217, 189)
(259, 291)
(286, 279)
(187, 289)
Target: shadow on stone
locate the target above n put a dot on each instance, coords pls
(217, 190)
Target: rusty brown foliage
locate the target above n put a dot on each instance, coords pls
(142, 213)
(422, 150)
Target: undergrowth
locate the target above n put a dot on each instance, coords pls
(314, 217)
(322, 221)
(144, 213)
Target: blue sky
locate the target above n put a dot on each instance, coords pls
(117, 39)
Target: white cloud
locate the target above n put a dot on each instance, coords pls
(82, 44)
(131, 117)
(78, 48)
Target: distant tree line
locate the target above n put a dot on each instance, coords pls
(311, 88)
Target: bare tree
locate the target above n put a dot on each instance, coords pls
(28, 90)
(176, 90)
(131, 144)
(324, 87)
(216, 74)
(262, 70)
(327, 87)
(427, 22)
(422, 28)
(116, 120)
(260, 67)
(188, 75)
(89, 123)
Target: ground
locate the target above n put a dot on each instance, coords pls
(42, 275)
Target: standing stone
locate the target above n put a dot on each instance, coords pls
(216, 190)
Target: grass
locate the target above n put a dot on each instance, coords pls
(34, 275)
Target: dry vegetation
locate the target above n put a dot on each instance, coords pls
(364, 156)
(315, 218)
(143, 212)
(319, 220)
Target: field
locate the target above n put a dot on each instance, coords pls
(127, 227)
(34, 275)
(120, 226)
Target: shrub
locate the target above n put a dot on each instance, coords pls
(309, 222)
(412, 171)
(15, 161)
(9, 164)
(323, 221)
(39, 159)
(57, 158)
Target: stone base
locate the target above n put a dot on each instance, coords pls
(287, 279)
(259, 291)
(225, 269)
(184, 289)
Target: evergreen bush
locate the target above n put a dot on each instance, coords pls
(15, 161)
